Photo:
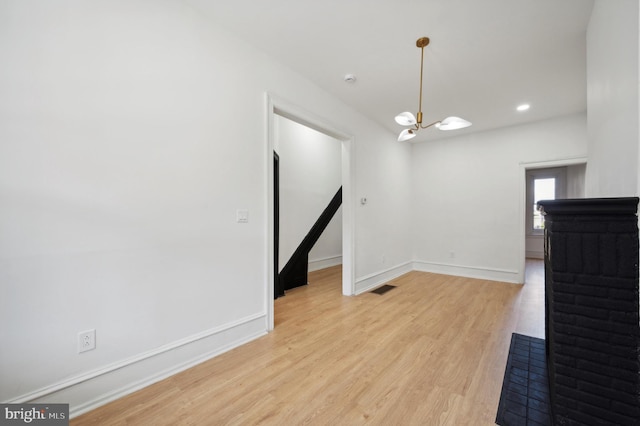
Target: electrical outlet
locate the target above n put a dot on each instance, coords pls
(86, 340)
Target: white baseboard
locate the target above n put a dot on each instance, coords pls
(482, 273)
(95, 388)
(372, 281)
(88, 391)
(327, 262)
(534, 254)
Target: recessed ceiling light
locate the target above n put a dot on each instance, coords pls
(523, 107)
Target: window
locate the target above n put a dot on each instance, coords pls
(543, 189)
(543, 184)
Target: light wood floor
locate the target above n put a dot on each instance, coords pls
(430, 352)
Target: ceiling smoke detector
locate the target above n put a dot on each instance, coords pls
(350, 78)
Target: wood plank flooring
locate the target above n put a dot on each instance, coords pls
(430, 352)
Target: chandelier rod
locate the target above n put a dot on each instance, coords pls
(422, 42)
(419, 119)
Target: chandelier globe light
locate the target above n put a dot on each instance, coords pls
(408, 119)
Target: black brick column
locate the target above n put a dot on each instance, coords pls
(592, 304)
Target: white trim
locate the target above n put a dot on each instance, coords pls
(284, 108)
(269, 217)
(95, 388)
(478, 272)
(326, 262)
(571, 161)
(370, 282)
(534, 254)
(348, 218)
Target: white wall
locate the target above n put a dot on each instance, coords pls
(310, 174)
(576, 180)
(469, 195)
(612, 98)
(130, 133)
(384, 224)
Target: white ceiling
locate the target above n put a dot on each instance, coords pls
(485, 56)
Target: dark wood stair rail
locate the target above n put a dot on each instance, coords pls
(294, 273)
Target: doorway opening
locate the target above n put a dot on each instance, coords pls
(542, 184)
(278, 109)
(547, 180)
(308, 202)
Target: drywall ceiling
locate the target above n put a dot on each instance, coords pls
(485, 57)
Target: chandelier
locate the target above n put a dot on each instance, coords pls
(408, 119)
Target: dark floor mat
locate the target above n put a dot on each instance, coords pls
(383, 289)
(524, 400)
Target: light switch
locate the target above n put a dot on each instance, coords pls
(242, 216)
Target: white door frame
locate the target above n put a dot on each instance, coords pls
(279, 106)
